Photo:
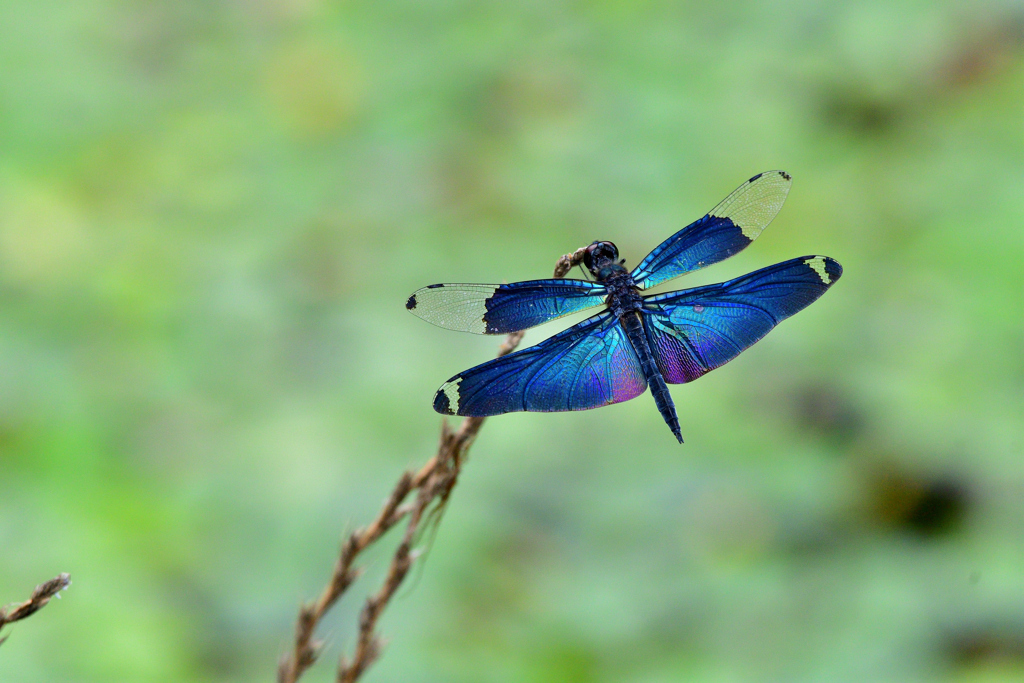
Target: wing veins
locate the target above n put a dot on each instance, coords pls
(673, 332)
(586, 364)
(558, 356)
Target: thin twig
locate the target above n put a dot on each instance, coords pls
(433, 483)
(40, 596)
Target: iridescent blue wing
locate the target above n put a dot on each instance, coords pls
(725, 230)
(588, 365)
(694, 331)
(498, 309)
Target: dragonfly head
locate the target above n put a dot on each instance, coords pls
(598, 256)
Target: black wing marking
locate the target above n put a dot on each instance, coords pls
(499, 309)
(726, 230)
(694, 331)
(589, 365)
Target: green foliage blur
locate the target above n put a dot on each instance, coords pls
(212, 213)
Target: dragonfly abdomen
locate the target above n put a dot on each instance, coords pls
(634, 328)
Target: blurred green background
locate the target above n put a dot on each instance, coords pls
(212, 213)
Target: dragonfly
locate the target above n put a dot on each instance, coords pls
(637, 341)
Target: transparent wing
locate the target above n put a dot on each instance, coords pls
(726, 230)
(694, 331)
(589, 365)
(498, 309)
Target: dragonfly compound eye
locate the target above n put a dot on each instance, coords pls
(599, 251)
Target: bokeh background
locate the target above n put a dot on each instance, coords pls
(212, 213)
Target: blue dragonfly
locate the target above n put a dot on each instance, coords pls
(636, 341)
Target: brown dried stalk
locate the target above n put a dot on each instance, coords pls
(40, 596)
(433, 483)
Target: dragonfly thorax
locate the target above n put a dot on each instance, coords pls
(610, 272)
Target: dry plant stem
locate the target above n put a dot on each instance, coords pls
(433, 483)
(40, 596)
